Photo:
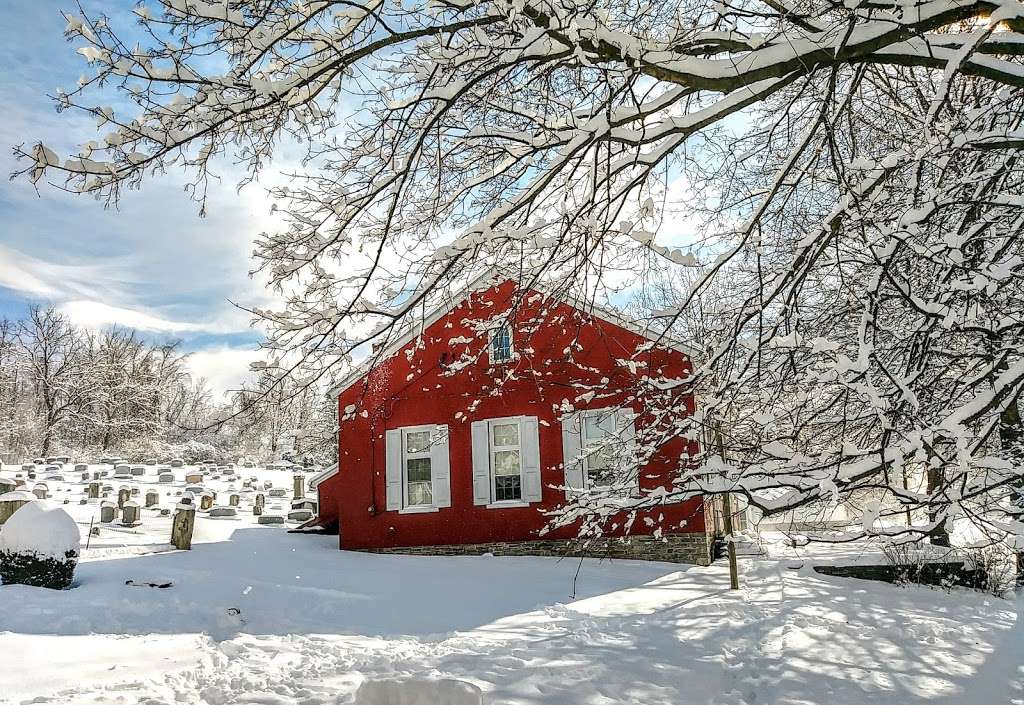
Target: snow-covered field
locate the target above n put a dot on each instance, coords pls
(257, 615)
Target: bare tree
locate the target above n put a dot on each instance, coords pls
(54, 357)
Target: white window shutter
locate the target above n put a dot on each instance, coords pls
(481, 464)
(439, 472)
(571, 452)
(393, 468)
(529, 444)
(626, 423)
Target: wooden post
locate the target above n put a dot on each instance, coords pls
(298, 486)
(734, 575)
(181, 527)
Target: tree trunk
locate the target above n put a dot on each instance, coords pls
(1010, 430)
(734, 574)
(940, 534)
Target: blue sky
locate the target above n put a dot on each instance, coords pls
(151, 263)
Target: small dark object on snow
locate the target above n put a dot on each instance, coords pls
(234, 611)
(152, 585)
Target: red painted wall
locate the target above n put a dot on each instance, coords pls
(407, 392)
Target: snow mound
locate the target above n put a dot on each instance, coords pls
(42, 528)
(418, 691)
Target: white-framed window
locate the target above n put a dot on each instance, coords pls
(598, 432)
(417, 477)
(506, 462)
(506, 459)
(417, 468)
(500, 344)
(598, 447)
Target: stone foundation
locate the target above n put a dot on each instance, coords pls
(672, 548)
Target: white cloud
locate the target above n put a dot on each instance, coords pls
(95, 314)
(36, 277)
(224, 368)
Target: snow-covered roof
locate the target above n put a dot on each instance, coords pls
(320, 477)
(493, 277)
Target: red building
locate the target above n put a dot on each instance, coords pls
(470, 430)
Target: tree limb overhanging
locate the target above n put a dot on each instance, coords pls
(847, 175)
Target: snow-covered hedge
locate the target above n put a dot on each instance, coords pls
(39, 546)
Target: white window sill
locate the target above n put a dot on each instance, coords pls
(420, 509)
(507, 505)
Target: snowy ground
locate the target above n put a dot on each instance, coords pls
(257, 615)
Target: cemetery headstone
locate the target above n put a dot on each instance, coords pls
(10, 502)
(182, 525)
(130, 515)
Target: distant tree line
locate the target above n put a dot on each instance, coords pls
(69, 390)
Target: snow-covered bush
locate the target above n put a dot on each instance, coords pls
(39, 546)
(999, 566)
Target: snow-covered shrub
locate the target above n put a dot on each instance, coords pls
(39, 546)
(999, 565)
(909, 559)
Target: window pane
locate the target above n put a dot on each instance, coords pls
(506, 462)
(598, 425)
(505, 434)
(417, 442)
(599, 466)
(507, 488)
(420, 493)
(501, 345)
(418, 469)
